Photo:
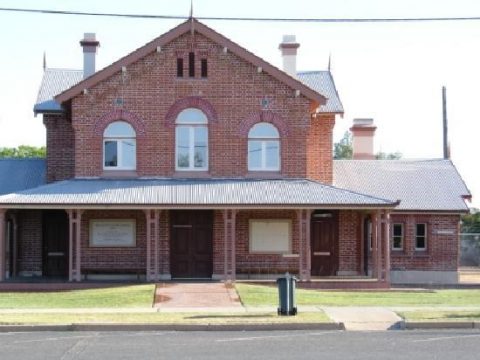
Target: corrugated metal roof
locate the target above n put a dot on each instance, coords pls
(21, 174)
(55, 81)
(423, 185)
(322, 82)
(170, 192)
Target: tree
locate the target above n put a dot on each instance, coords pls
(388, 156)
(471, 222)
(344, 148)
(23, 151)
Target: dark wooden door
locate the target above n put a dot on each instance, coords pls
(191, 249)
(55, 243)
(323, 244)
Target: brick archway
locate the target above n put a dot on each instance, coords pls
(119, 115)
(263, 116)
(190, 102)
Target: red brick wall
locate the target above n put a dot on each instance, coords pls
(150, 87)
(29, 256)
(442, 249)
(349, 238)
(114, 257)
(60, 147)
(319, 148)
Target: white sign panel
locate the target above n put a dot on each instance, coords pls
(112, 233)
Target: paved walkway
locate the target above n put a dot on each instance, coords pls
(187, 297)
(364, 318)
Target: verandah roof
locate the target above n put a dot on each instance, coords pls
(210, 193)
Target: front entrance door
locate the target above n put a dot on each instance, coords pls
(55, 243)
(323, 243)
(191, 249)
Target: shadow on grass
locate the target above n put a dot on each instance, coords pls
(243, 316)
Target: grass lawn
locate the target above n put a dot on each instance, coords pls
(110, 297)
(257, 295)
(161, 318)
(428, 315)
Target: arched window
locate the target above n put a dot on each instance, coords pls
(191, 140)
(263, 148)
(119, 147)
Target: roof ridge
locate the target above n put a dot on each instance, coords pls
(63, 69)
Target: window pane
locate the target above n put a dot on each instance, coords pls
(119, 129)
(420, 243)
(420, 229)
(200, 147)
(272, 158)
(191, 116)
(183, 146)
(110, 152)
(397, 230)
(254, 154)
(397, 243)
(128, 154)
(263, 130)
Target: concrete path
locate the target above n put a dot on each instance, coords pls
(364, 318)
(194, 296)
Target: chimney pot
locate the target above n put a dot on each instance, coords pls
(90, 45)
(363, 131)
(289, 47)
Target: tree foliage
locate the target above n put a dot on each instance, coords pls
(23, 151)
(344, 150)
(471, 222)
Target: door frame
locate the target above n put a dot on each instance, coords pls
(332, 217)
(45, 270)
(191, 225)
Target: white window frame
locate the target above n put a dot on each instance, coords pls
(402, 236)
(118, 140)
(191, 143)
(424, 236)
(263, 141)
(254, 249)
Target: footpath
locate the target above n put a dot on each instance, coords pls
(219, 298)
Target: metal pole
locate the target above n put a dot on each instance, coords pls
(446, 154)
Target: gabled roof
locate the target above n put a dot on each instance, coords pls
(421, 185)
(210, 193)
(55, 81)
(181, 29)
(20, 174)
(322, 82)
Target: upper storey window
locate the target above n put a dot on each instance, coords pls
(119, 147)
(263, 148)
(191, 139)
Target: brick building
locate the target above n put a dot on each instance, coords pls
(193, 158)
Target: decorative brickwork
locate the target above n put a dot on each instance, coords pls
(262, 116)
(190, 102)
(119, 114)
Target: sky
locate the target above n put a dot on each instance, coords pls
(391, 72)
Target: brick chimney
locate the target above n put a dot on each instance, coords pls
(289, 47)
(89, 44)
(363, 131)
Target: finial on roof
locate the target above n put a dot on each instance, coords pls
(329, 61)
(44, 61)
(192, 25)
